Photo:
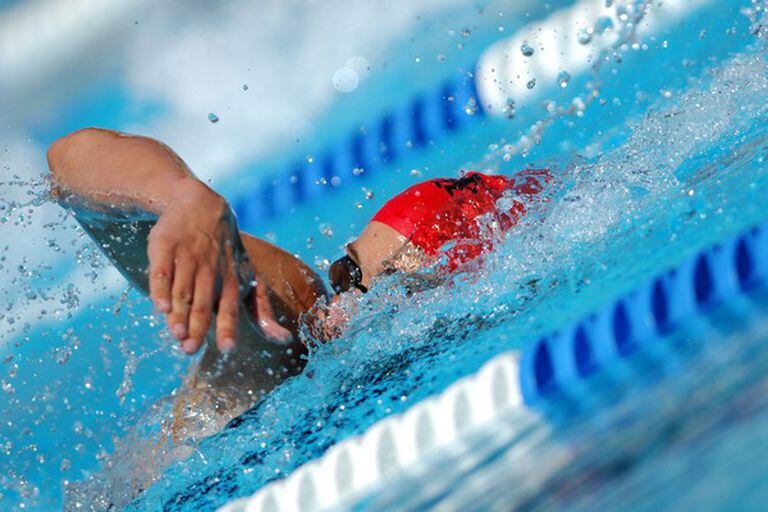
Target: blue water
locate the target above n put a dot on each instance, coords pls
(680, 172)
(679, 427)
(672, 162)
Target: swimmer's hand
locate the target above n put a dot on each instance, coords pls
(197, 267)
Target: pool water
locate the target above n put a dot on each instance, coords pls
(685, 432)
(671, 161)
(679, 173)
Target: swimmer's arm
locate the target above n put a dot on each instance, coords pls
(119, 172)
(104, 170)
(293, 286)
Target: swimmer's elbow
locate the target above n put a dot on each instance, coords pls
(56, 154)
(63, 149)
(62, 155)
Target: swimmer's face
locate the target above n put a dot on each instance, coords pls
(370, 255)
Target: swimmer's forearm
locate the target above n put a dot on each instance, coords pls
(120, 171)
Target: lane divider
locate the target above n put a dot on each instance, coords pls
(426, 118)
(559, 364)
(465, 98)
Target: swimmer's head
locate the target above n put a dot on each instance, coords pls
(379, 249)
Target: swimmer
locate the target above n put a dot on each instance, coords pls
(433, 220)
(177, 241)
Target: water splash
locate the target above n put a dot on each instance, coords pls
(617, 216)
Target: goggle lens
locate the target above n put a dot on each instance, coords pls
(345, 274)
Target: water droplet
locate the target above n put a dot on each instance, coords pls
(563, 78)
(509, 110)
(345, 79)
(531, 83)
(603, 24)
(441, 58)
(245, 87)
(322, 263)
(213, 118)
(584, 36)
(367, 193)
(310, 159)
(526, 49)
(471, 107)
(465, 32)
(579, 106)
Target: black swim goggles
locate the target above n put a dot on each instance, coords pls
(345, 274)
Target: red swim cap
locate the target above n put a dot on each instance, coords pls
(433, 213)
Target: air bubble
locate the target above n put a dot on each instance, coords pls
(213, 118)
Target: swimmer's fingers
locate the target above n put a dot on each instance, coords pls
(181, 295)
(266, 318)
(226, 319)
(202, 309)
(160, 254)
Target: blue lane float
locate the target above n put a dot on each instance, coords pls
(711, 278)
(427, 117)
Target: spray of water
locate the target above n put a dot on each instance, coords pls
(616, 216)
